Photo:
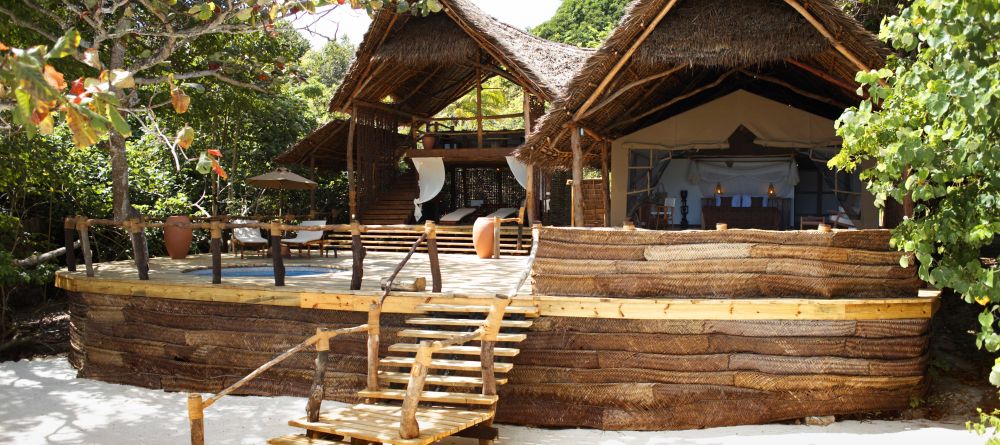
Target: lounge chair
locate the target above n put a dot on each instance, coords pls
(244, 237)
(306, 238)
(457, 216)
(503, 213)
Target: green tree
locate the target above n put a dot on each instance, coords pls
(329, 65)
(583, 23)
(931, 128)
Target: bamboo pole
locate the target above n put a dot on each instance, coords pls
(69, 231)
(357, 256)
(216, 246)
(83, 227)
(430, 229)
(577, 194)
(276, 258)
(196, 418)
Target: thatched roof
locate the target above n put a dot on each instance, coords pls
(327, 144)
(709, 48)
(400, 52)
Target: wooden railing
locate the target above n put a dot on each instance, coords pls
(136, 229)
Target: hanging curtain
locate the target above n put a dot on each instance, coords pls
(520, 171)
(430, 178)
(745, 178)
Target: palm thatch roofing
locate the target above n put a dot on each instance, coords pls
(423, 64)
(701, 50)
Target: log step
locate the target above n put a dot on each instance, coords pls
(454, 365)
(457, 381)
(528, 311)
(421, 333)
(380, 423)
(463, 322)
(432, 396)
(301, 439)
(458, 350)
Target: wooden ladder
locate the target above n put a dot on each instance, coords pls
(431, 387)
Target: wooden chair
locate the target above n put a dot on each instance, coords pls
(244, 237)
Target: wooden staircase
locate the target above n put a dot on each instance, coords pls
(446, 385)
(395, 206)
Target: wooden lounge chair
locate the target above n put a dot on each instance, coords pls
(457, 216)
(505, 212)
(244, 237)
(306, 238)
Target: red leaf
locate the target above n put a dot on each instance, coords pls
(214, 152)
(179, 100)
(218, 169)
(78, 88)
(54, 78)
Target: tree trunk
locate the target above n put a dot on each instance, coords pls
(119, 177)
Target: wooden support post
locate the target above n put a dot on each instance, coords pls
(140, 252)
(374, 330)
(357, 256)
(352, 187)
(317, 390)
(312, 191)
(479, 107)
(216, 246)
(529, 124)
(496, 237)
(83, 226)
(605, 183)
(276, 258)
(69, 232)
(408, 428)
(486, 357)
(430, 228)
(196, 417)
(574, 132)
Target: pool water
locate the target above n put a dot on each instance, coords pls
(265, 271)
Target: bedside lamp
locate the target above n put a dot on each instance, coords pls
(770, 190)
(718, 188)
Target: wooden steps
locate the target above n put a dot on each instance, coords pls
(431, 321)
(460, 398)
(527, 311)
(380, 423)
(456, 350)
(433, 334)
(440, 363)
(451, 239)
(457, 381)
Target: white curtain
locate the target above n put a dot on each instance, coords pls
(430, 173)
(520, 171)
(745, 178)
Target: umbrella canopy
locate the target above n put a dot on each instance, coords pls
(282, 179)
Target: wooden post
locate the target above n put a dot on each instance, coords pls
(83, 226)
(529, 195)
(69, 231)
(317, 389)
(140, 252)
(216, 246)
(408, 428)
(374, 330)
(606, 183)
(479, 107)
(574, 132)
(357, 256)
(496, 237)
(312, 191)
(352, 187)
(196, 417)
(430, 228)
(276, 258)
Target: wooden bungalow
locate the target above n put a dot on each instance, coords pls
(721, 110)
(407, 71)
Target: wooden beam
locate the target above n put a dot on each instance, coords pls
(479, 107)
(389, 109)
(577, 176)
(676, 99)
(625, 89)
(498, 155)
(795, 89)
(625, 58)
(850, 56)
(427, 78)
(852, 88)
(368, 66)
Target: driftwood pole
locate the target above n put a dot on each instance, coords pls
(408, 428)
(577, 194)
(216, 231)
(141, 253)
(69, 231)
(430, 228)
(605, 183)
(196, 417)
(276, 258)
(357, 256)
(374, 316)
(83, 226)
(352, 188)
(529, 195)
(318, 389)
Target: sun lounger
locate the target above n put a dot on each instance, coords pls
(244, 237)
(503, 213)
(457, 216)
(305, 238)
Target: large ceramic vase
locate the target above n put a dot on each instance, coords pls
(428, 141)
(177, 239)
(482, 237)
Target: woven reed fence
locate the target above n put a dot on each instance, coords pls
(720, 264)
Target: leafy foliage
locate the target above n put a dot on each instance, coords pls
(583, 23)
(931, 127)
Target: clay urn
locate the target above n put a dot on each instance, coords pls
(177, 239)
(428, 141)
(482, 237)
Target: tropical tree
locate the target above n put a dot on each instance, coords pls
(583, 23)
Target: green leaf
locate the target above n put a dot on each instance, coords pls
(434, 6)
(65, 46)
(118, 122)
(204, 165)
(244, 14)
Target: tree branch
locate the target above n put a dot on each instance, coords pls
(197, 74)
(27, 25)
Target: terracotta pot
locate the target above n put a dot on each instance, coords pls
(482, 237)
(177, 239)
(428, 141)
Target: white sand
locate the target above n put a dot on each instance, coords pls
(42, 401)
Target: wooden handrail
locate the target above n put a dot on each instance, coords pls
(196, 406)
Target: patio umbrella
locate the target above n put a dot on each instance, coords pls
(284, 180)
